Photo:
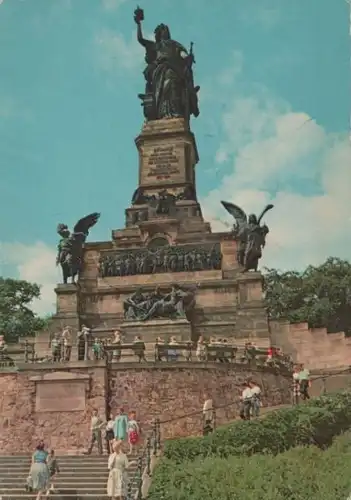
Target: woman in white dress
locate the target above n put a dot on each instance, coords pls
(118, 464)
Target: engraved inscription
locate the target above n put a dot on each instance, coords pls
(163, 162)
(60, 396)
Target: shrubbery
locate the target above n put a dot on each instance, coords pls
(315, 422)
(303, 473)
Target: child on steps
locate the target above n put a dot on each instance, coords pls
(53, 470)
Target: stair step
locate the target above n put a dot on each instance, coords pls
(61, 483)
(76, 468)
(60, 496)
(97, 491)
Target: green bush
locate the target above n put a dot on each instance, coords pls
(303, 473)
(315, 422)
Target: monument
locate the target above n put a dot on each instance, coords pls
(166, 272)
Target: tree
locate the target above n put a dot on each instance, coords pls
(16, 317)
(321, 295)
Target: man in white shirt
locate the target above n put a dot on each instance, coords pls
(95, 428)
(207, 413)
(246, 402)
(256, 399)
(296, 385)
(66, 339)
(304, 381)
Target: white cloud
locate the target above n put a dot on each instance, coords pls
(115, 53)
(113, 4)
(262, 15)
(272, 152)
(36, 264)
(229, 74)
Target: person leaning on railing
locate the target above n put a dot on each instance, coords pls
(201, 349)
(117, 341)
(172, 353)
(66, 339)
(56, 347)
(97, 349)
(139, 348)
(250, 352)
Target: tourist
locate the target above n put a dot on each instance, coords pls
(207, 413)
(269, 359)
(117, 341)
(39, 477)
(88, 341)
(159, 353)
(67, 343)
(56, 347)
(304, 381)
(139, 348)
(81, 344)
(201, 349)
(54, 469)
(3, 345)
(221, 355)
(172, 354)
(3, 348)
(118, 464)
(246, 402)
(133, 431)
(95, 430)
(296, 384)
(120, 425)
(109, 434)
(256, 399)
(250, 352)
(98, 349)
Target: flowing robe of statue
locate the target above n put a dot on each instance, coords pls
(169, 77)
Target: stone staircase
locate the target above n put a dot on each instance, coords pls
(81, 477)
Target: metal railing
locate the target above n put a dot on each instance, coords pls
(151, 449)
(90, 350)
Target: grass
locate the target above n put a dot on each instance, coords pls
(291, 454)
(302, 473)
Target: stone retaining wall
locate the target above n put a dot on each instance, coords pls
(54, 403)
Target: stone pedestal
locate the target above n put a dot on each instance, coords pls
(166, 241)
(150, 330)
(167, 153)
(67, 299)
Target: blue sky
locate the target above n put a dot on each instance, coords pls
(274, 122)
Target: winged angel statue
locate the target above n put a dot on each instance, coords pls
(249, 233)
(70, 247)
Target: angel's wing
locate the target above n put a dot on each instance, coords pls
(87, 222)
(236, 212)
(268, 207)
(136, 196)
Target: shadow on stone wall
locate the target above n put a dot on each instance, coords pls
(314, 347)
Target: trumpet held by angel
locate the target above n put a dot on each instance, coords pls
(250, 235)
